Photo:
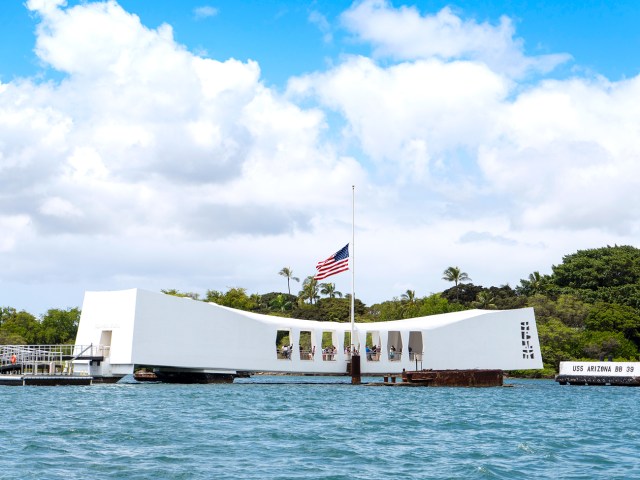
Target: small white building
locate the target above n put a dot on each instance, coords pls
(137, 327)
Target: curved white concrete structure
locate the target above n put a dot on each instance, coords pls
(138, 327)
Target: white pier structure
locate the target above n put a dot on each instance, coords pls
(142, 328)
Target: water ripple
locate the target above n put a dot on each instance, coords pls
(273, 427)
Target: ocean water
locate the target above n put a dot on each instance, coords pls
(318, 428)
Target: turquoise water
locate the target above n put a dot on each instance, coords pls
(273, 427)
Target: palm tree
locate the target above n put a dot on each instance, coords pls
(330, 290)
(409, 296)
(485, 300)
(280, 303)
(287, 272)
(309, 289)
(453, 274)
(535, 284)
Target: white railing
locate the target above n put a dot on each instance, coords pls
(307, 354)
(47, 359)
(329, 354)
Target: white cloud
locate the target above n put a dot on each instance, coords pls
(144, 145)
(12, 227)
(206, 11)
(463, 130)
(405, 34)
(411, 116)
(85, 164)
(59, 207)
(47, 6)
(567, 151)
(323, 25)
(148, 165)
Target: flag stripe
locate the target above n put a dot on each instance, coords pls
(329, 270)
(336, 263)
(343, 266)
(331, 266)
(334, 266)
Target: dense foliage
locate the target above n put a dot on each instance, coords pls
(53, 328)
(610, 274)
(587, 308)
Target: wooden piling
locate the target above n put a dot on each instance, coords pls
(356, 378)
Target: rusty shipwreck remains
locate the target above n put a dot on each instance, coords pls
(447, 378)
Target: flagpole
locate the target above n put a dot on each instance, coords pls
(353, 262)
(355, 356)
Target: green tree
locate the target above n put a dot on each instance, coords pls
(281, 303)
(615, 318)
(506, 298)
(599, 267)
(6, 313)
(597, 345)
(387, 311)
(309, 290)
(268, 303)
(331, 310)
(485, 300)
(409, 296)
(558, 343)
(463, 293)
(288, 273)
(19, 328)
(329, 289)
(235, 297)
(536, 283)
(214, 296)
(59, 326)
(568, 309)
(608, 274)
(454, 274)
(397, 309)
(177, 293)
(436, 304)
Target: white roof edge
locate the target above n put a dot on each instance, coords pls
(431, 320)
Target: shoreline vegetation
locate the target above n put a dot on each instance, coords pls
(588, 308)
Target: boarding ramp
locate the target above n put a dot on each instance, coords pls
(47, 359)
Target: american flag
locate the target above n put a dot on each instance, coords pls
(336, 263)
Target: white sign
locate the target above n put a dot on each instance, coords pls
(599, 369)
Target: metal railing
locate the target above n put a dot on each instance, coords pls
(391, 356)
(395, 356)
(283, 354)
(417, 358)
(329, 354)
(47, 359)
(373, 356)
(307, 354)
(286, 354)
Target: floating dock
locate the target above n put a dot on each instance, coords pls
(46, 365)
(599, 373)
(45, 380)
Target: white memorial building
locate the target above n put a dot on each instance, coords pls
(141, 328)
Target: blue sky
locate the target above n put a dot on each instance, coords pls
(205, 145)
(602, 37)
